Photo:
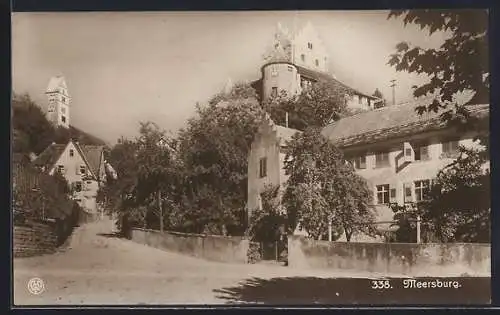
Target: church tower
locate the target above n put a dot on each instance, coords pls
(59, 100)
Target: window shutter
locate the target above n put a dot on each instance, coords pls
(392, 194)
(408, 192)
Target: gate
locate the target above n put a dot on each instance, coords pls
(274, 250)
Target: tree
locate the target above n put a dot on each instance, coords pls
(458, 209)
(213, 150)
(324, 188)
(449, 67)
(32, 131)
(317, 106)
(155, 176)
(119, 194)
(267, 223)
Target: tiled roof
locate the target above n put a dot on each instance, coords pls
(388, 122)
(316, 75)
(50, 155)
(93, 154)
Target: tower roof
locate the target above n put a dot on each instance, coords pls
(55, 83)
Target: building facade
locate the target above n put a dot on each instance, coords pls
(396, 150)
(83, 166)
(58, 110)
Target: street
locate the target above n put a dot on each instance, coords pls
(97, 268)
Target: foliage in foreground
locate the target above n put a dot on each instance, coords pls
(458, 206)
(323, 187)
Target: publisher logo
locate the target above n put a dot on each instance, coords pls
(36, 286)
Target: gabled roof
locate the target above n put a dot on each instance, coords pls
(389, 122)
(283, 134)
(50, 155)
(91, 155)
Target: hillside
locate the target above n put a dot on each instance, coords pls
(32, 132)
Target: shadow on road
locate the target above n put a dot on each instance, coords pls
(348, 291)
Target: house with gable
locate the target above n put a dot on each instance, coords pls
(83, 166)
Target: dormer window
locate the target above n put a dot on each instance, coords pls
(382, 159)
(450, 148)
(360, 162)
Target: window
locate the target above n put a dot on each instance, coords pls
(274, 91)
(360, 99)
(71, 152)
(63, 119)
(303, 57)
(450, 148)
(421, 152)
(360, 162)
(263, 167)
(422, 189)
(63, 99)
(60, 169)
(310, 45)
(408, 192)
(317, 62)
(382, 159)
(382, 194)
(82, 169)
(274, 72)
(290, 68)
(78, 186)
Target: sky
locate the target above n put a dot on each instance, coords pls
(122, 68)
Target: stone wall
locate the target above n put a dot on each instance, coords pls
(33, 238)
(456, 259)
(210, 247)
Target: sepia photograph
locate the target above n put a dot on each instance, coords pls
(251, 158)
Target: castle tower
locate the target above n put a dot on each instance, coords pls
(288, 53)
(308, 50)
(58, 102)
